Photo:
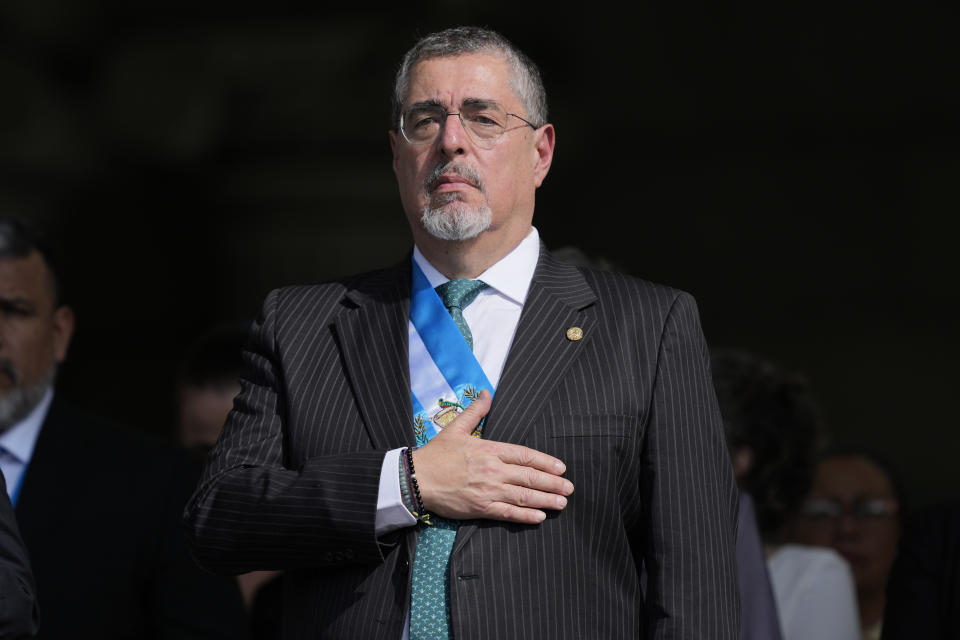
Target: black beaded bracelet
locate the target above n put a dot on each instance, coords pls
(406, 489)
(421, 513)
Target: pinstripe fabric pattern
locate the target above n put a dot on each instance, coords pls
(292, 484)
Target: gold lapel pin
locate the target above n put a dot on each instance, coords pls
(574, 334)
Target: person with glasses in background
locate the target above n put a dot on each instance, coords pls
(773, 430)
(350, 461)
(854, 507)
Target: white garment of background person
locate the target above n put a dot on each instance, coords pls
(815, 594)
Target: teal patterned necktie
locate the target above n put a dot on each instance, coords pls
(457, 294)
(429, 599)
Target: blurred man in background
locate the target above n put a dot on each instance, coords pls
(97, 505)
(207, 382)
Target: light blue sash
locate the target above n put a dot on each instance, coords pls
(445, 376)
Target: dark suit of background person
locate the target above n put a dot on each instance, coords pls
(627, 405)
(98, 507)
(923, 591)
(19, 616)
(99, 512)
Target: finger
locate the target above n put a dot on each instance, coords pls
(530, 478)
(513, 513)
(533, 499)
(527, 457)
(467, 421)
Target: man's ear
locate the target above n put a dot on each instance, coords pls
(544, 144)
(742, 459)
(393, 148)
(63, 322)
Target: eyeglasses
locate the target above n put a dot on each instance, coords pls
(863, 511)
(484, 122)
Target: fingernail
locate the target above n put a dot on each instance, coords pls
(541, 516)
(560, 467)
(568, 487)
(561, 502)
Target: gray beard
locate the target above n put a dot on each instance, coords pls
(445, 215)
(16, 404)
(451, 219)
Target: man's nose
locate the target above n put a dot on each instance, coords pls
(453, 138)
(847, 525)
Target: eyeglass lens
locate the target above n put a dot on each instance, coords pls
(484, 121)
(870, 509)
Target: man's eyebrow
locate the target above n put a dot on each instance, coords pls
(433, 103)
(16, 302)
(427, 104)
(478, 102)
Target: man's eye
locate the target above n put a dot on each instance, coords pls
(485, 119)
(424, 119)
(14, 310)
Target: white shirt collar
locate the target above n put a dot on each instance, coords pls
(510, 276)
(20, 439)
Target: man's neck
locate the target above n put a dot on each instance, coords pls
(467, 258)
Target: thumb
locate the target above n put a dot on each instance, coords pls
(467, 421)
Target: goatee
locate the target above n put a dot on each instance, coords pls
(17, 403)
(446, 216)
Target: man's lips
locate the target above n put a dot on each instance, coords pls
(451, 182)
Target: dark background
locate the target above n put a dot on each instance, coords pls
(792, 167)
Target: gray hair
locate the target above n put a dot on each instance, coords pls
(525, 79)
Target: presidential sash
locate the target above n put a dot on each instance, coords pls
(445, 376)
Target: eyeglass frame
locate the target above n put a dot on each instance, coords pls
(446, 114)
(856, 510)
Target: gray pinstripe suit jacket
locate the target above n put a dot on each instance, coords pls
(293, 482)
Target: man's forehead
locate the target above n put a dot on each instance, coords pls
(28, 275)
(452, 80)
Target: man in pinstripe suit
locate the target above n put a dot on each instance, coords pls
(601, 381)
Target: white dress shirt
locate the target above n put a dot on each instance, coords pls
(493, 317)
(815, 593)
(17, 443)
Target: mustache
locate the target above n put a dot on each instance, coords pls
(7, 367)
(448, 168)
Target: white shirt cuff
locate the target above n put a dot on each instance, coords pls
(391, 514)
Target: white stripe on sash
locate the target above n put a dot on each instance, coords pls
(426, 382)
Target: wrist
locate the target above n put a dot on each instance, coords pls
(409, 475)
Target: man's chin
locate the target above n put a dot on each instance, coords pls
(455, 221)
(16, 402)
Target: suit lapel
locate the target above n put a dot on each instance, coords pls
(540, 354)
(373, 341)
(39, 481)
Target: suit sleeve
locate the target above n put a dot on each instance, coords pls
(18, 606)
(689, 493)
(251, 511)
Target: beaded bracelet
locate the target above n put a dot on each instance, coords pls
(406, 489)
(421, 513)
